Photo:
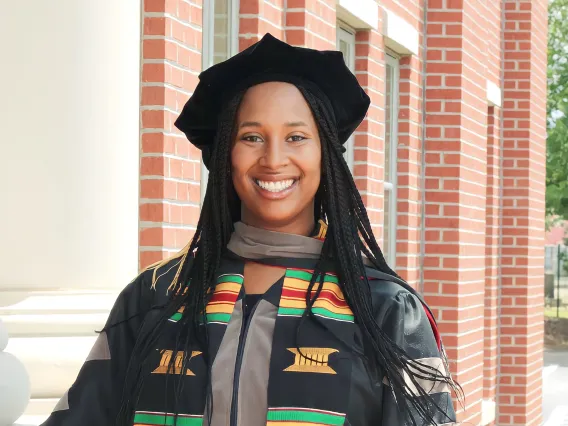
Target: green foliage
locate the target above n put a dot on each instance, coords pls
(552, 313)
(557, 110)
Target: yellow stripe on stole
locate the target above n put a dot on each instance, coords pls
(232, 287)
(320, 303)
(219, 308)
(297, 284)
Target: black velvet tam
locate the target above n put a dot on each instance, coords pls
(324, 73)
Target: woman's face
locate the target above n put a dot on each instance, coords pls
(276, 159)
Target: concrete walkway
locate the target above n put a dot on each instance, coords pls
(555, 392)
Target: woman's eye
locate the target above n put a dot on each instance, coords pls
(296, 138)
(251, 138)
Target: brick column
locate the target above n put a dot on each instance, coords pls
(369, 153)
(409, 171)
(170, 166)
(492, 260)
(456, 153)
(494, 223)
(520, 390)
(311, 23)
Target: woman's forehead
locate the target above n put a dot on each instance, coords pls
(274, 100)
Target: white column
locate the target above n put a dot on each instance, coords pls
(69, 179)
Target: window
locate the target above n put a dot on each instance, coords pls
(391, 128)
(220, 42)
(346, 45)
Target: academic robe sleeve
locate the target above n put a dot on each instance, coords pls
(94, 398)
(403, 316)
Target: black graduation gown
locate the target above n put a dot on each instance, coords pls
(258, 376)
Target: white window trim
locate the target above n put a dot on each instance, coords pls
(391, 186)
(207, 54)
(494, 95)
(346, 34)
(360, 14)
(400, 36)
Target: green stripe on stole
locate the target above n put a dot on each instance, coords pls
(230, 279)
(306, 416)
(307, 276)
(145, 418)
(298, 312)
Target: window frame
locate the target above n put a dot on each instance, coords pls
(347, 34)
(208, 55)
(391, 185)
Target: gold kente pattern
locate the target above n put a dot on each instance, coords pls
(178, 363)
(312, 360)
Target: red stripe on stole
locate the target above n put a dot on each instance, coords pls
(224, 296)
(324, 295)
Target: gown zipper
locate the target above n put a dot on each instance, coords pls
(240, 349)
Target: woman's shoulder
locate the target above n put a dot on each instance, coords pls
(386, 286)
(396, 304)
(154, 283)
(390, 293)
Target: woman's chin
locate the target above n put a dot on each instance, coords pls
(273, 218)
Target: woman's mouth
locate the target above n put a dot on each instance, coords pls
(275, 186)
(277, 189)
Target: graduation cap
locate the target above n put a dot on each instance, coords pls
(324, 73)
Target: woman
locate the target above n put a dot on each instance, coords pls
(282, 309)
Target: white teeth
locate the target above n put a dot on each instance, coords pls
(275, 186)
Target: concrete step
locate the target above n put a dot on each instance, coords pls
(55, 313)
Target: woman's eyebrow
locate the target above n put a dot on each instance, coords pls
(257, 124)
(250, 124)
(296, 124)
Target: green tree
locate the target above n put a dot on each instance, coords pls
(557, 110)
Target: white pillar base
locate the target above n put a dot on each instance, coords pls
(51, 333)
(14, 382)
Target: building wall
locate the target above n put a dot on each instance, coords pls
(469, 190)
(524, 136)
(169, 164)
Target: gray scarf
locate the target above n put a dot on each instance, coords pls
(255, 243)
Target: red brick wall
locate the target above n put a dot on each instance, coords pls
(368, 169)
(493, 14)
(258, 17)
(456, 153)
(523, 210)
(409, 152)
(169, 165)
(409, 171)
(311, 23)
(492, 260)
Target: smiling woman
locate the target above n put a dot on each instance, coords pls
(276, 159)
(282, 309)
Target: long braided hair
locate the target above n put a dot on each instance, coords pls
(349, 236)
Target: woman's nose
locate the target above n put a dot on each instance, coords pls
(275, 154)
